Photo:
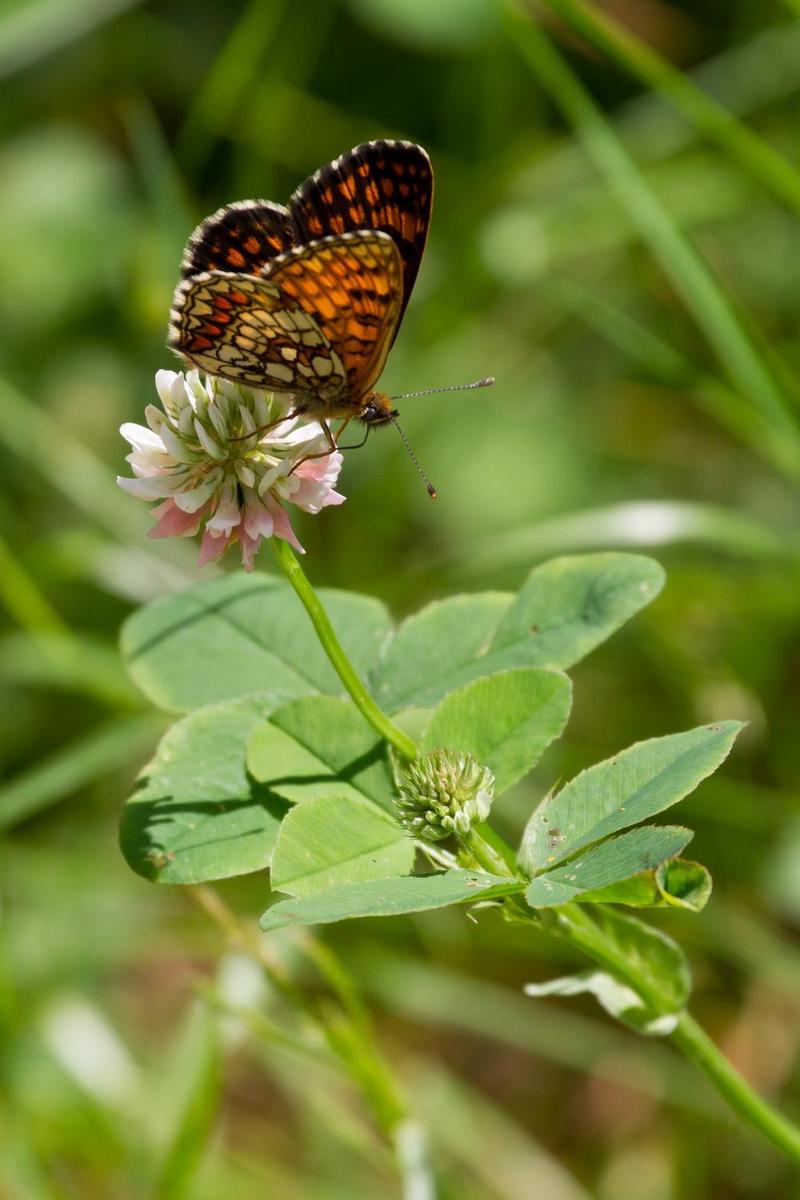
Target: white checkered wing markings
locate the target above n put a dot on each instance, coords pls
(244, 328)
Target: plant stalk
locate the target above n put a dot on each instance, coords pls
(572, 925)
(752, 1108)
(568, 922)
(348, 1035)
(333, 648)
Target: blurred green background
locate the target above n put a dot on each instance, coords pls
(622, 254)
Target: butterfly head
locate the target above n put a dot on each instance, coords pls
(377, 410)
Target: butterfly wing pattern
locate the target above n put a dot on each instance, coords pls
(352, 286)
(386, 186)
(319, 324)
(241, 328)
(239, 237)
(308, 299)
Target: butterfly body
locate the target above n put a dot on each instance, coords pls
(308, 299)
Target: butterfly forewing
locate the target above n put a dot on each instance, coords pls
(352, 288)
(239, 237)
(245, 329)
(383, 185)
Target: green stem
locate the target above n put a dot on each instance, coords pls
(697, 1045)
(484, 855)
(351, 1036)
(574, 925)
(332, 647)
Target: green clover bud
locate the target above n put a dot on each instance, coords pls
(445, 792)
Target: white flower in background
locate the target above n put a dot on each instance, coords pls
(206, 460)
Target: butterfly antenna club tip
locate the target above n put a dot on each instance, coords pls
(432, 492)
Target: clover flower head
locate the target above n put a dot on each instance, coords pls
(228, 458)
(444, 792)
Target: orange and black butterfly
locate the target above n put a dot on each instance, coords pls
(308, 299)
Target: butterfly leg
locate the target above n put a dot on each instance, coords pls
(331, 440)
(356, 445)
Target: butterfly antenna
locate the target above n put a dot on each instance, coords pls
(432, 492)
(454, 387)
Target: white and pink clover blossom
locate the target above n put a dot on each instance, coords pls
(204, 458)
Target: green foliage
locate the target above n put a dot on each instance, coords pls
(615, 423)
(210, 803)
(215, 801)
(564, 609)
(614, 860)
(386, 898)
(569, 606)
(675, 882)
(505, 720)
(442, 647)
(320, 746)
(330, 840)
(630, 950)
(632, 786)
(655, 956)
(243, 634)
(197, 813)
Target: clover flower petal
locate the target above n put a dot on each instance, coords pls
(220, 457)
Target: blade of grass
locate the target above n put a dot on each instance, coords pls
(22, 598)
(158, 171)
(743, 146)
(743, 78)
(231, 77)
(22, 1174)
(68, 662)
(453, 1000)
(198, 1064)
(765, 408)
(657, 356)
(32, 31)
(98, 753)
(487, 1141)
(66, 463)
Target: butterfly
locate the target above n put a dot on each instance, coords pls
(307, 299)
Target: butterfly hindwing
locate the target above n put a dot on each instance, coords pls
(244, 328)
(351, 285)
(384, 185)
(243, 236)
